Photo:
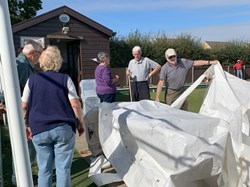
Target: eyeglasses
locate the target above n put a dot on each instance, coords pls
(173, 56)
(38, 51)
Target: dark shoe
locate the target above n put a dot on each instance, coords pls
(35, 179)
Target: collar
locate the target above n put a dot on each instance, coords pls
(171, 65)
(140, 61)
(25, 60)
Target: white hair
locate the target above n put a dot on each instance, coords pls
(102, 56)
(136, 48)
(31, 46)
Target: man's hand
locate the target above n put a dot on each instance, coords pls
(214, 62)
(2, 108)
(157, 99)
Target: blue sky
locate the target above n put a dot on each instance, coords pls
(213, 20)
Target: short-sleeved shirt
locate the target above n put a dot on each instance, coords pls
(175, 76)
(140, 70)
(238, 66)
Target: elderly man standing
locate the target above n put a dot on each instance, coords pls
(26, 62)
(139, 72)
(174, 73)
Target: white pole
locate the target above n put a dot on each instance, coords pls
(4, 120)
(13, 100)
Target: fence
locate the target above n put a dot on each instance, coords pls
(193, 74)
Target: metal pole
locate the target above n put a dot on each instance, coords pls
(13, 100)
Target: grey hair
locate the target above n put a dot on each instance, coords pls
(31, 46)
(102, 56)
(137, 48)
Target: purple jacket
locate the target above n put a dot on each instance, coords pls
(103, 78)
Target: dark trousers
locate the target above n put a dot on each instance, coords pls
(108, 98)
(140, 90)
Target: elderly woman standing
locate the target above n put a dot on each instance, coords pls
(105, 82)
(52, 111)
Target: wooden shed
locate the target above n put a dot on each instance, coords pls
(78, 37)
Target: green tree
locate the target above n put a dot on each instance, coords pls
(142, 40)
(186, 46)
(189, 47)
(119, 52)
(21, 10)
(160, 44)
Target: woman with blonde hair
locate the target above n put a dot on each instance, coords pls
(53, 112)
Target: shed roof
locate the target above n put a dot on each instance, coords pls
(56, 12)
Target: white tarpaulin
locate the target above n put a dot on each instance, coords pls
(153, 144)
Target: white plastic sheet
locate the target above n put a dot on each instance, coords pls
(88, 94)
(153, 144)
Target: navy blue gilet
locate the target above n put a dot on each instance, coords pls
(49, 106)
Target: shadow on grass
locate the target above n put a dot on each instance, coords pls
(79, 172)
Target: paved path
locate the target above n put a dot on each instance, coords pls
(82, 147)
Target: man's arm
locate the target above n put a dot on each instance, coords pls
(156, 69)
(159, 89)
(204, 62)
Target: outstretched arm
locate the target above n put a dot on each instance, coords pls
(204, 62)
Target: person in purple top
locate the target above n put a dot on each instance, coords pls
(105, 81)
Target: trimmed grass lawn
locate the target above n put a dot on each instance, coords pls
(195, 99)
(80, 168)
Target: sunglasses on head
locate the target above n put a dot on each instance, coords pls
(173, 56)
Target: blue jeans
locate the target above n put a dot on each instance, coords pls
(55, 145)
(239, 73)
(108, 98)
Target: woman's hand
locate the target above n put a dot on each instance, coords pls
(115, 79)
(80, 126)
(80, 129)
(28, 133)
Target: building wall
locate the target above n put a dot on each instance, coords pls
(91, 40)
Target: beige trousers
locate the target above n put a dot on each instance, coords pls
(172, 95)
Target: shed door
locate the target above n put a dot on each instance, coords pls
(73, 60)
